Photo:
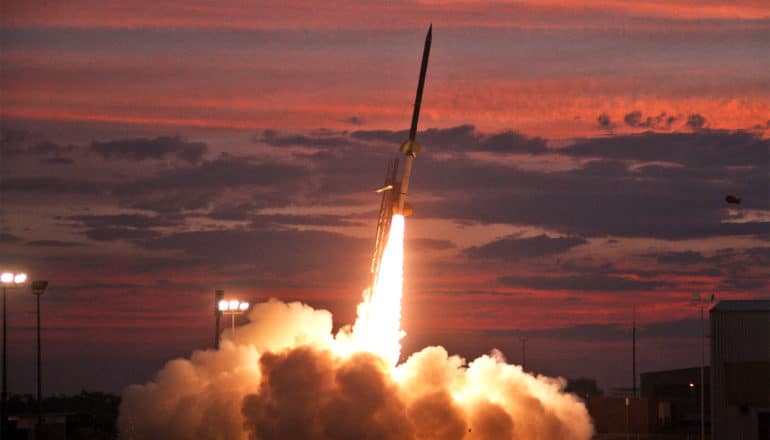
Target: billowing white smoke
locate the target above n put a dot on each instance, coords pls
(281, 377)
(285, 376)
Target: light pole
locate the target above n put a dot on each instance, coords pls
(232, 307)
(704, 302)
(633, 352)
(218, 296)
(8, 280)
(38, 288)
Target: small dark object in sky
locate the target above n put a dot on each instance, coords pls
(733, 199)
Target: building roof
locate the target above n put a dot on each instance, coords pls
(754, 305)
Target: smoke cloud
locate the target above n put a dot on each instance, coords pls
(284, 375)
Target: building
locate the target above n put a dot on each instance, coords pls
(676, 395)
(740, 373)
(620, 417)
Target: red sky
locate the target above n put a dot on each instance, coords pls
(575, 165)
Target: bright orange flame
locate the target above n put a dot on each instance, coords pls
(378, 326)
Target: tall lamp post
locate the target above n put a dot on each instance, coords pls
(38, 288)
(218, 296)
(8, 280)
(703, 301)
(233, 308)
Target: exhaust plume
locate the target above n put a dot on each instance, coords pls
(284, 375)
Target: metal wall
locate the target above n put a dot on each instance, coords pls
(740, 341)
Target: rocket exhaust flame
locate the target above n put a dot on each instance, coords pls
(378, 326)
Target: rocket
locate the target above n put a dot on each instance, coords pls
(395, 191)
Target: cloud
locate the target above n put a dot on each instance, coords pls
(513, 248)
(582, 283)
(129, 227)
(8, 238)
(513, 142)
(54, 185)
(226, 171)
(355, 120)
(331, 257)
(321, 139)
(595, 332)
(605, 122)
(684, 258)
(661, 121)
(461, 138)
(53, 243)
(428, 244)
(613, 331)
(703, 149)
(696, 121)
(140, 149)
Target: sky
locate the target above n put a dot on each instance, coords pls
(576, 157)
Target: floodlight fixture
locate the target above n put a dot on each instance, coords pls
(39, 286)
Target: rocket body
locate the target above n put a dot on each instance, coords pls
(411, 147)
(395, 190)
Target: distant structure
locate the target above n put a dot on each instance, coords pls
(676, 399)
(583, 387)
(740, 370)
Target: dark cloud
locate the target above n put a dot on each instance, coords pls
(13, 139)
(5, 237)
(139, 221)
(233, 211)
(428, 244)
(318, 140)
(571, 266)
(679, 328)
(265, 220)
(513, 142)
(140, 149)
(703, 149)
(605, 122)
(513, 248)
(587, 282)
(173, 192)
(18, 142)
(760, 255)
(53, 243)
(355, 120)
(286, 251)
(53, 185)
(661, 121)
(604, 197)
(129, 227)
(57, 161)
(461, 138)
(684, 258)
(50, 149)
(596, 332)
(696, 121)
(744, 282)
(224, 172)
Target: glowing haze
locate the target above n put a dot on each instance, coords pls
(283, 375)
